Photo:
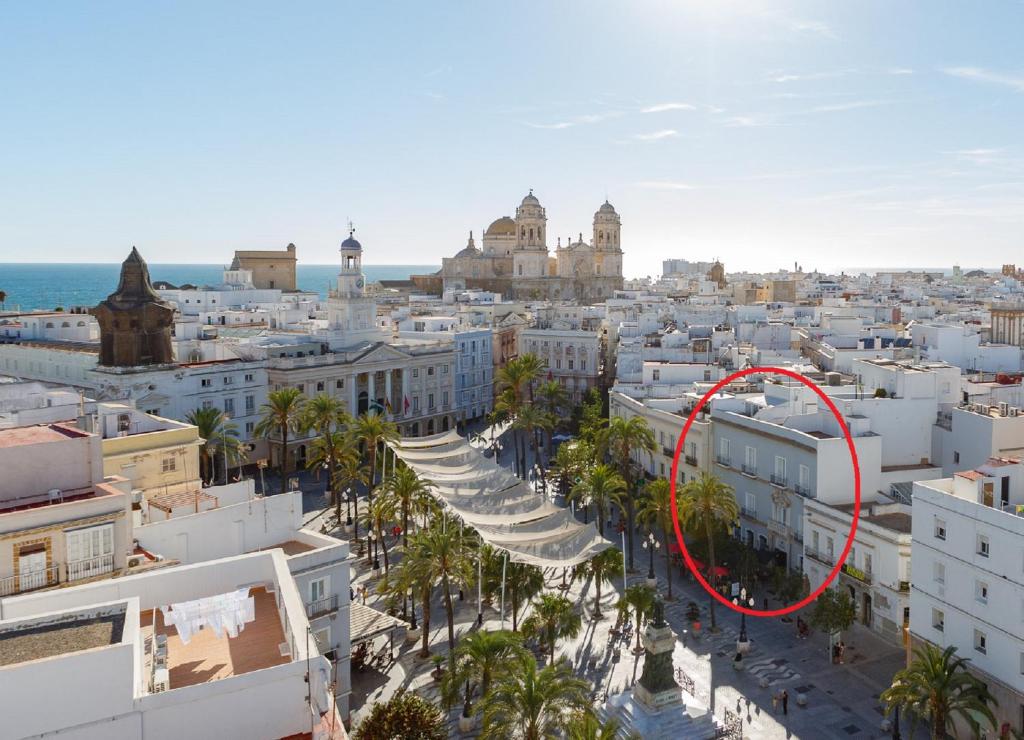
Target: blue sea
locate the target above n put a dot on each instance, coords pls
(46, 286)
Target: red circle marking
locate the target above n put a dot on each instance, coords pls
(856, 491)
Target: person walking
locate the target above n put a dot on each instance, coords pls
(785, 702)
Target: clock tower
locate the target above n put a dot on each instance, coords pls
(352, 315)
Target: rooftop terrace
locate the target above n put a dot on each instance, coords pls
(37, 641)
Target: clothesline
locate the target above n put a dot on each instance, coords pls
(224, 613)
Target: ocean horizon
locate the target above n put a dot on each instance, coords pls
(45, 286)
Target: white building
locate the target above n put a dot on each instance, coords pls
(573, 357)
(968, 586)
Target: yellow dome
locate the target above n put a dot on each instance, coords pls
(504, 226)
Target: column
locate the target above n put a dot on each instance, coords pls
(353, 394)
(387, 391)
(371, 387)
(405, 391)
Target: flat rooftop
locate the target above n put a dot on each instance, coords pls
(34, 642)
(38, 434)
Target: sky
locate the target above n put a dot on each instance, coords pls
(833, 135)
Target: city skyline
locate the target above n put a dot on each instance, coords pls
(761, 135)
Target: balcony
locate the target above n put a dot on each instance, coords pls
(90, 567)
(750, 470)
(779, 480)
(803, 489)
(779, 528)
(30, 581)
(319, 607)
(668, 452)
(691, 460)
(825, 558)
(857, 574)
(724, 461)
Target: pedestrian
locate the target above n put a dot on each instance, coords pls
(785, 702)
(842, 650)
(351, 594)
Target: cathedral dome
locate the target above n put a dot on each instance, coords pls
(530, 200)
(470, 249)
(606, 207)
(504, 226)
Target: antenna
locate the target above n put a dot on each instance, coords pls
(351, 228)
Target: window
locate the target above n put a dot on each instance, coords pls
(317, 589)
(94, 542)
(583, 364)
(249, 427)
(570, 364)
(444, 399)
(780, 471)
(723, 451)
(983, 545)
(750, 460)
(339, 383)
(430, 371)
(415, 372)
(228, 380)
(207, 404)
(168, 464)
(430, 401)
(815, 540)
(830, 546)
(867, 562)
(981, 592)
(444, 368)
(956, 457)
(980, 642)
(938, 620)
(206, 382)
(657, 374)
(939, 572)
(229, 405)
(250, 404)
(248, 377)
(320, 387)
(940, 529)
(415, 404)
(558, 364)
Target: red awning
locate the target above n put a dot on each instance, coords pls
(673, 547)
(699, 565)
(721, 570)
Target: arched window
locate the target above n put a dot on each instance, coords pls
(81, 323)
(66, 325)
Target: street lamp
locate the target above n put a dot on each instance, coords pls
(651, 544)
(371, 550)
(742, 598)
(412, 607)
(348, 507)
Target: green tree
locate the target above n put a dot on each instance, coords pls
(554, 399)
(585, 725)
(602, 487)
(937, 689)
(218, 435)
(640, 598)
(591, 417)
(571, 462)
(528, 703)
(416, 572)
(411, 495)
(621, 439)
(281, 415)
(372, 430)
(706, 504)
(515, 381)
(326, 416)
(348, 472)
(834, 611)
(380, 512)
(447, 558)
(522, 582)
(480, 656)
(603, 567)
(532, 421)
(554, 617)
(657, 515)
(405, 715)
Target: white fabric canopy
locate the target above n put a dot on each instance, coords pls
(505, 511)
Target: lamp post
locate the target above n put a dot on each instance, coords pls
(224, 444)
(412, 608)
(371, 549)
(742, 599)
(651, 544)
(348, 506)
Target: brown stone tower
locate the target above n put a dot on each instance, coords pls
(135, 322)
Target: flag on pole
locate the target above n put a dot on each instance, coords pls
(387, 405)
(406, 407)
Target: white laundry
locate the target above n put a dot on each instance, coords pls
(223, 613)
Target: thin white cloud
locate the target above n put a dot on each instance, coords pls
(664, 107)
(751, 121)
(850, 105)
(983, 75)
(663, 185)
(666, 133)
(978, 156)
(443, 69)
(815, 28)
(799, 77)
(900, 71)
(577, 121)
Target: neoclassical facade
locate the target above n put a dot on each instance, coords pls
(514, 260)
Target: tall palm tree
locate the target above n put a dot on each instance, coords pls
(410, 494)
(507, 407)
(450, 559)
(516, 381)
(416, 572)
(706, 505)
(324, 453)
(379, 512)
(621, 439)
(585, 725)
(281, 414)
(603, 567)
(602, 487)
(528, 703)
(349, 471)
(372, 429)
(938, 689)
(326, 416)
(218, 435)
(532, 368)
(480, 656)
(522, 581)
(554, 399)
(531, 420)
(639, 598)
(554, 617)
(657, 516)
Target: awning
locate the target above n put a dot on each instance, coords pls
(366, 623)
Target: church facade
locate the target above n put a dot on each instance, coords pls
(513, 259)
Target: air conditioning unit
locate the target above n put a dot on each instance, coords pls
(1014, 411)
(1004, 409)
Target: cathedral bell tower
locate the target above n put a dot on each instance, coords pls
(350, 279)
(135, 322)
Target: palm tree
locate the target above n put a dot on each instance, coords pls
(371, 429)
(480, 657)
(324, 454)
(516, 381)
(604, 566)
(620, 439)
(531, 420)
(416, 572)
(657, 515)
(410, 495)
(531, 704)
(449, 559)
(380, 511)
(523, 582)
(507, 406)
(571, 462)
(553, 618)
(326, 416)
(281, 414)
(602, 487)
(705, 506)
(639, 598)
(554, 399)
(219, 435)
(348, 471)
(937, 688)
(532, 367)
(584, 725)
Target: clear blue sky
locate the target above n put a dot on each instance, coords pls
(836, 134)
